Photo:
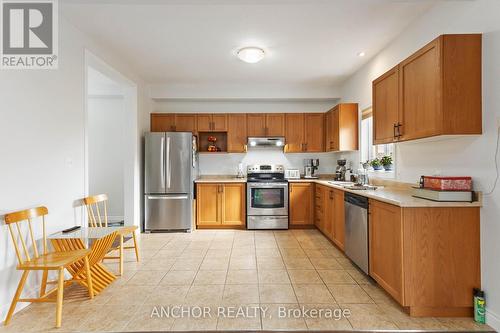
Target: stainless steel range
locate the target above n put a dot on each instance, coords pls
(267, 197)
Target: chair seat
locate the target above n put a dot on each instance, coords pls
(127, 230)
(54, 260)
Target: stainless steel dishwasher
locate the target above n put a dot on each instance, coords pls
(356, 229)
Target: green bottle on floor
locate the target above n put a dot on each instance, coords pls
(479, 306)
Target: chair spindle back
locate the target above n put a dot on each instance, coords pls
(18, 219)
(94, 205)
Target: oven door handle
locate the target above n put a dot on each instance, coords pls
(267, 185)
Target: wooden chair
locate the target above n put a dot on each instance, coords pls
(96, 219)
(45, 262)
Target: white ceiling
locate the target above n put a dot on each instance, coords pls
(193, 42)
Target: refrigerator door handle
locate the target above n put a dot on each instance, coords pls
(162, 171)
(173, 197)
(169, 167)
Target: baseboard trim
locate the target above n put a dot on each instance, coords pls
(493, 320)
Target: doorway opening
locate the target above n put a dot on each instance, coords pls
(112, 155)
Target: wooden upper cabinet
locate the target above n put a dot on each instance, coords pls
(185, 123)
(439, 92)
(301, 203)
(336, 129)
(219, 122)
(329, 131)
(385, 107)
(236, 132)
(275, 124)
(204, 122)
(420, 93)
(294, 132)
(162, 122)
(233, 204)
(342, 128)
(266, 124)
(212, 122)
(256, 124)
(314, 134)
(386, 247)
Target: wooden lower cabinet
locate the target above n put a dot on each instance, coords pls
(320, 207)
(329, 213)
(427, 258)
(233, 204)
(338, 223)
(301, 204)
(207, 204)
(220, 205)
(386, 247)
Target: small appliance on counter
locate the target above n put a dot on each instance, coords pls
(292, 174)
(311, 166)
(240, 174)
(340, 170)
(267, 197)
(445, 189)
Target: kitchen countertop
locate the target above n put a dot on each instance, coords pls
(399, 195)
(220, 179)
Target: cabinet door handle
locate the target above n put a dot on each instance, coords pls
(394, 131)
(399, 129)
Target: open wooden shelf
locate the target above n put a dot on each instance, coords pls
(203, 142)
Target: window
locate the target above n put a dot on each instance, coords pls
(369, 152)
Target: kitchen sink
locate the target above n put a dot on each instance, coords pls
(360, 187)
(340, 183)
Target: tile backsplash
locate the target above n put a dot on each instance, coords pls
(227, 164)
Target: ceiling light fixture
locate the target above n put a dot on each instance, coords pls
(251, 55)
(361, 54)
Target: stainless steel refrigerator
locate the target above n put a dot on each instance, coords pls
(169, 169)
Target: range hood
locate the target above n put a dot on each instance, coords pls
(275, 142)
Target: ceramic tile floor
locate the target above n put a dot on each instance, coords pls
(220, 269)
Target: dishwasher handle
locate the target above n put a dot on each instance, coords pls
(356, 200)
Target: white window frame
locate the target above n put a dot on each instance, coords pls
(366, 139)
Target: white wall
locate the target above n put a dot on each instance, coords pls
(472, 156)
(42, 135)
(106, 134)
(242, 105)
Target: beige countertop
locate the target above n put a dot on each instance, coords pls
(220, 179)
(394, 193)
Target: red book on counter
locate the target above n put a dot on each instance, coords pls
(446, 183)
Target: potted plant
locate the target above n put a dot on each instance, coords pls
(376, 164)
(387, 162)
